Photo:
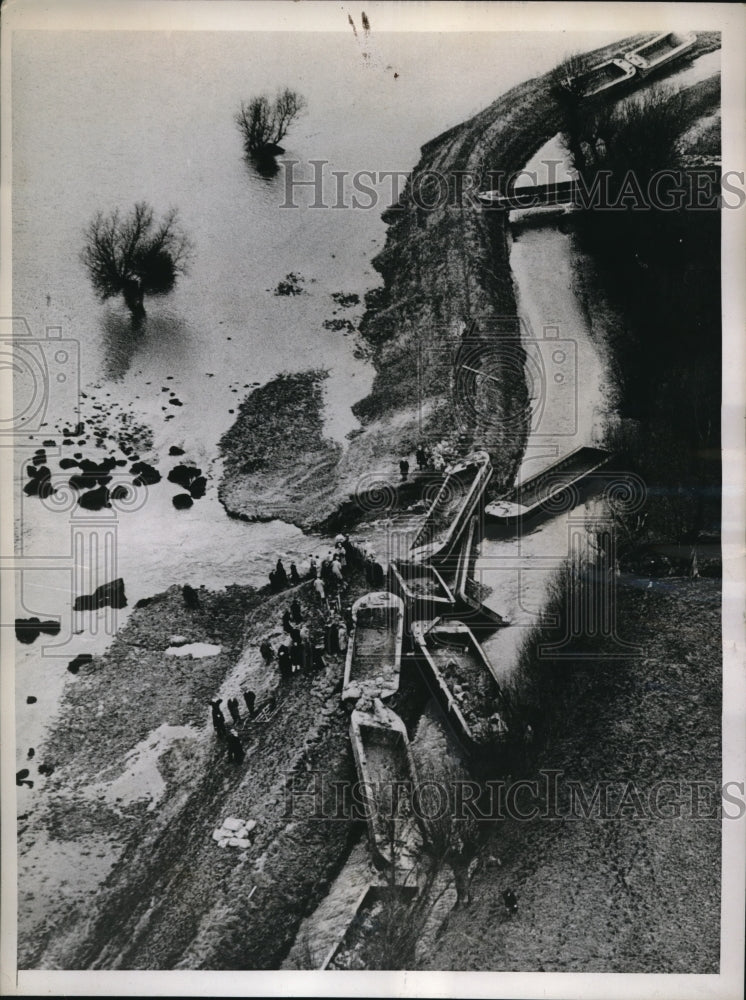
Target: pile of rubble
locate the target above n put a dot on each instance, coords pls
(234, 833)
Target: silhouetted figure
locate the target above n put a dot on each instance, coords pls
(421, 457)
(280, 575)
(337, 574)
(313, 568)
(191, 597)
(287, 620)
(267, 652)
(273, 584)
(404, 469)
(348, 619)
(283, 661)
(511, 902)
(233, 709)
(250, 698)
(349, 548)
(235, 748)
(332, 638)
(294, 577)
(218, 719)
(296, 656)
(295, 610)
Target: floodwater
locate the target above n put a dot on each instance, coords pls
(572, 400)
(104, 119)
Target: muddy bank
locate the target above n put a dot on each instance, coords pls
(140, 782)
(631, 893)
(276, 454)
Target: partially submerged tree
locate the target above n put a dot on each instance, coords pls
(133, 255)
(264, 125)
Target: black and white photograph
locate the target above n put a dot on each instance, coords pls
(373, 499)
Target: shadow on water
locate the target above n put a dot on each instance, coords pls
(265, 164)
(122, 341)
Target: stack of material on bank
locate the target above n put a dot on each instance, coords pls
(234, 833)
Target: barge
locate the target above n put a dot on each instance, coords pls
(545, 488)
(422, 588)
(387, 774)
(373, 660)
(660, 51)
(458, 498)
(462, 681)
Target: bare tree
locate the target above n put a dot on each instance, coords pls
(567, 85)
(133, 255)
(566, 82)
(264, 124)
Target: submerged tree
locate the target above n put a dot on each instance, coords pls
(263, 125)
(133, 255)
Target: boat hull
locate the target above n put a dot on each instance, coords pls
(545, 489)
(365, 911)
(610, 75)
(422, 588)
(458, 498)
(373, 660)
(386, 770)
(453, 664)
(474, 607)
(660, 51)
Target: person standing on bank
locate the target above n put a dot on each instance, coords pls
(233, 709)
(218, 719)
(250, 698)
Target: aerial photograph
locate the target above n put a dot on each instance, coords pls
(365, 453)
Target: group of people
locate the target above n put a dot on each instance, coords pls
(300, 651)
(279, 578)
(228, 733)
(328, 574)
(425, 458)
(325, 573)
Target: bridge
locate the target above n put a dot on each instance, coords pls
(530, 196)
(696, 185)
